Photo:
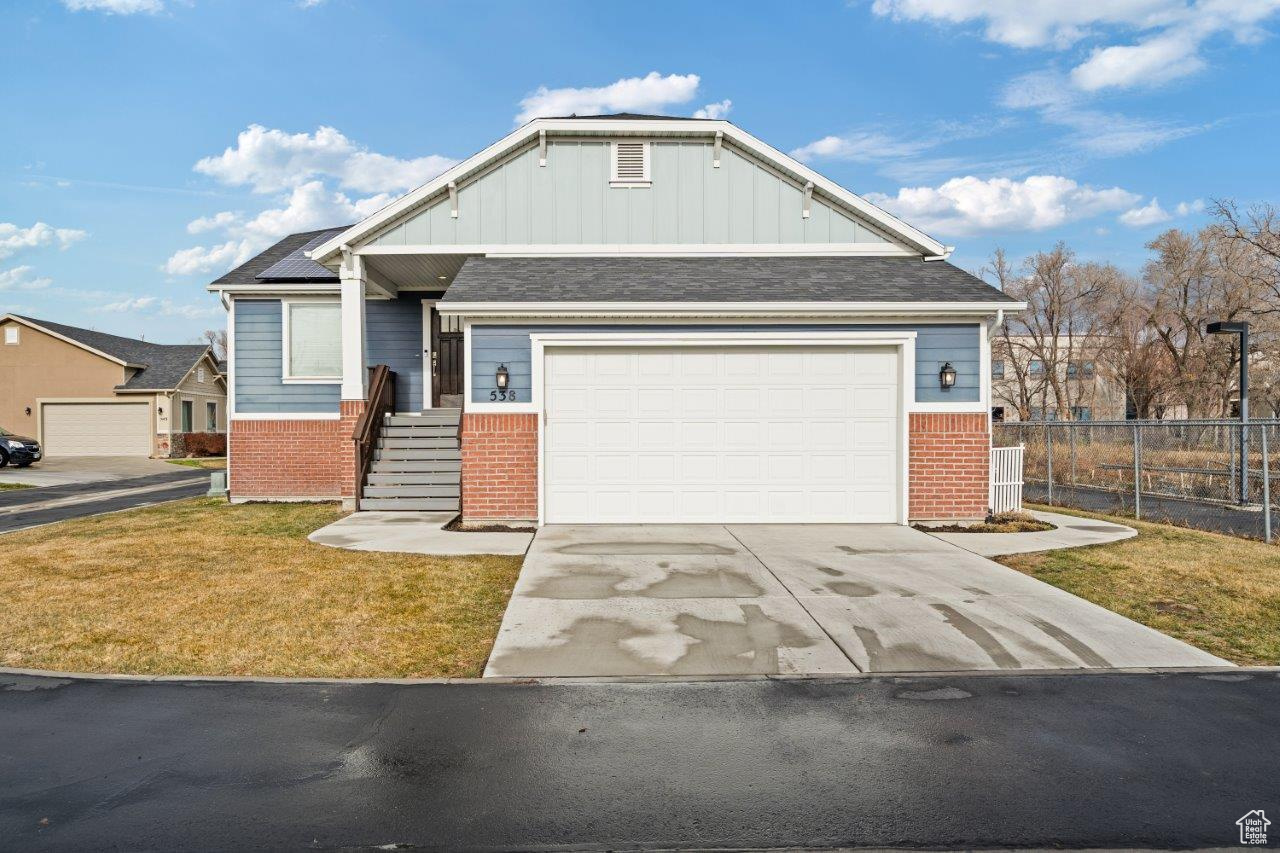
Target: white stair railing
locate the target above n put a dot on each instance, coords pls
(1006, 479)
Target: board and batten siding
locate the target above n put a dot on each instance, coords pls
(936, 344)
(393, 332)
(570, 202)
(258, 367)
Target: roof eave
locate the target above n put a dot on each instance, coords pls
(729, 309)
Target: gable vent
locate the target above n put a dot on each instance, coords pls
(630, 164)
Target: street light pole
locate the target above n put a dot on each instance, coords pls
(1241, 329)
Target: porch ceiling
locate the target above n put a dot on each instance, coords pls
(417, 271)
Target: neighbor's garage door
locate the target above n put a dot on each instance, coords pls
(97, 429)
(732, 434)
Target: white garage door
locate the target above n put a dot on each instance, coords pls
(97, 429)
(733, 434)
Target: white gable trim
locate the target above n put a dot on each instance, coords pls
(532, 131)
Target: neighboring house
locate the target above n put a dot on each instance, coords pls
(1021, 387)
(643, 319)
(86, 393)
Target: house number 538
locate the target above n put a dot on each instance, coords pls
(502, 395)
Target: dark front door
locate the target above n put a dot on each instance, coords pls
(446, 358)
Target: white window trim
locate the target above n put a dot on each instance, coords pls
(904, 341)
(285, 320)
(15, 330)
(646, 155)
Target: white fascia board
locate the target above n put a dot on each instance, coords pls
(274, 289)
(648, 250)
(528, 133)
(725, 309)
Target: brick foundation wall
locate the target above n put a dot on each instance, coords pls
(294, 458)
(500, 467)
(950, 455)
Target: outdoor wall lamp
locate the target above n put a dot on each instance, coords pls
(28, 410)
(947, 377)
(502, 377)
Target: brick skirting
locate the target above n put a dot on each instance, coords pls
(950, 455)
(291, 459)
(500, 467)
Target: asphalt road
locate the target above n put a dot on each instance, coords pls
(1201, 515)
(22, 508)
(1061, 760)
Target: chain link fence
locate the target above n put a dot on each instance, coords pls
(1210, 474)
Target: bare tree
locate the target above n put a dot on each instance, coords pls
(217, 339)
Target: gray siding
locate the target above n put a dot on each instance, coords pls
(569, 201)
(257, 365)
(936, 343)
(393, 331)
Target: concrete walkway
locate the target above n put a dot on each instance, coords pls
(1071, 531)
(614, 600)
(416, 533)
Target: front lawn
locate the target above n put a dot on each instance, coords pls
(206, 587)
(1217, 592)
(209, 463)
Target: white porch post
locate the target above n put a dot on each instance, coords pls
(354, 374)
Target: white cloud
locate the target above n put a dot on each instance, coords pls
(115, 7)
(861, 146)
(1186, 208)
(225, 219)
(970, 205)
(270, 160)
(652, 93)
(1169, 33)
(131, 304)
(1096, 132)
(720, 109)
(308, 207)
(20, 278)
(1148, 214)
(14, 239)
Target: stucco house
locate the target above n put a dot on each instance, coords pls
(86, 393)
(617, 319)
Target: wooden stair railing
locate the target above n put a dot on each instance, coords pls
(381, 401)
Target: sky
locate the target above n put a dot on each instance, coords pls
(147, 146)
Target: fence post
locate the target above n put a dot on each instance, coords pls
(1072, 432)
(1266, 488)
(1048, 439)
(1137, 471)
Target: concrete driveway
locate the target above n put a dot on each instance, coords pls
(814, 599)
(64, 470)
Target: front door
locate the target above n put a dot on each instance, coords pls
(445, 352)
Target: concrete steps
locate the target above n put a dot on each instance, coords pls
(417, 465)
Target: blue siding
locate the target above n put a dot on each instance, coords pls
(257, 366)
(936, 343)
(393, 332)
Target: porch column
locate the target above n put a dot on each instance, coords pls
(354, 374)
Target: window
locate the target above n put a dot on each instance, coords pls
(1081, 413)
(188, 415)
(997, 369)
(1086, 369)
(199, 374)
(211, 416)
(11, 335)
(630, 161)
(312, 341)
(1036, 368)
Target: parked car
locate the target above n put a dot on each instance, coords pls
(18, 449)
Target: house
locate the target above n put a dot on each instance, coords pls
(1025, 373)
(617, 319)
(87, 393)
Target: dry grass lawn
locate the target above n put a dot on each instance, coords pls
(209, 463)
(4, 487)
(206, 587)
(1217, 592)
